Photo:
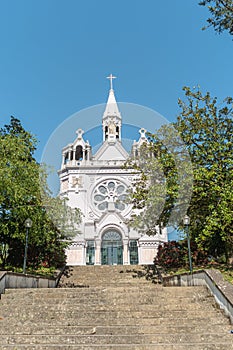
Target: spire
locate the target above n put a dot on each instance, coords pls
(111, 116)
(111, 109)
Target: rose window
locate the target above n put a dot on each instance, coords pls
(110, 191)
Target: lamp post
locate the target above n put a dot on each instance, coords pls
(186, 222)
(27, 224)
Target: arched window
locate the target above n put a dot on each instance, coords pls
(66, 159)
(117, 132)
(79, 153)
(112, 236)
(106, 132)
(86, 154)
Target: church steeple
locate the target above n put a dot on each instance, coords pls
(111, 117)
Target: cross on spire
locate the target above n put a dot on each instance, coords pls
(111, 77)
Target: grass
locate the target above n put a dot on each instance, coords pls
(41, 271)
(227, 272)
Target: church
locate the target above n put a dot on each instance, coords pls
(97, 184)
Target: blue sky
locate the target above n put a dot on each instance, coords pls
(56, 54)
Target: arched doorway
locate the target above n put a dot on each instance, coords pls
(111, 248)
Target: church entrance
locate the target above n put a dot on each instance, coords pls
(111, 248)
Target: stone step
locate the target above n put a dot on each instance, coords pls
(156, 290)
(145, 346)
(118, 339)
(116, 311)
(103, 274)
(110, 284)
(107, 297)
(45, 315)
(109, 276)
(112, 306)
(128, 321)
(197, 296)
(38, 329)
(107, 300)
(81, 283)
(104, 296)
(106, 306)
(93, 275)
(110, 269)
(114, 275)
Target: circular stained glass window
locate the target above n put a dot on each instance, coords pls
(110, 191)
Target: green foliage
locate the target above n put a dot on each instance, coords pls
(221, 14)
(23, 194)
(148, 190)
(165, 179)
(206, 128)
(174, 254)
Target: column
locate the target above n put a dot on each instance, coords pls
(73, 161)
(69, 155)
(125, 252)
(97, 252)
(139, 254)
(63, 159)
(134, 151)
(88, 153)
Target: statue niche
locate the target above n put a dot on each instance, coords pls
(112, 128)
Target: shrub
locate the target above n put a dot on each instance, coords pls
(174, 254)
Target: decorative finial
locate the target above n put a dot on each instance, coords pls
(142, 131)
(80, 133)
(111, 77)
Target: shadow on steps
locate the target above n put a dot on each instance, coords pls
(84, 276)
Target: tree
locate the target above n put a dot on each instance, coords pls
(206, 129)
(221, 15)
(24, 193)
(163, 181)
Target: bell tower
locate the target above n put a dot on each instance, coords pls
(111, 118)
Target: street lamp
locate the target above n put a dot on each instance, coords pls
(186, 222)
(27, 224)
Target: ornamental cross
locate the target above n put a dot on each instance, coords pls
(111, 77)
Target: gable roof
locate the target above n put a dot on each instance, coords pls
(111, 151)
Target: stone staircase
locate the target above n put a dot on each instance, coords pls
(112, 307)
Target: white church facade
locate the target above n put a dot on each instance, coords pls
(97, 184)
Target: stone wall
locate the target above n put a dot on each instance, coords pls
(18, 280)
